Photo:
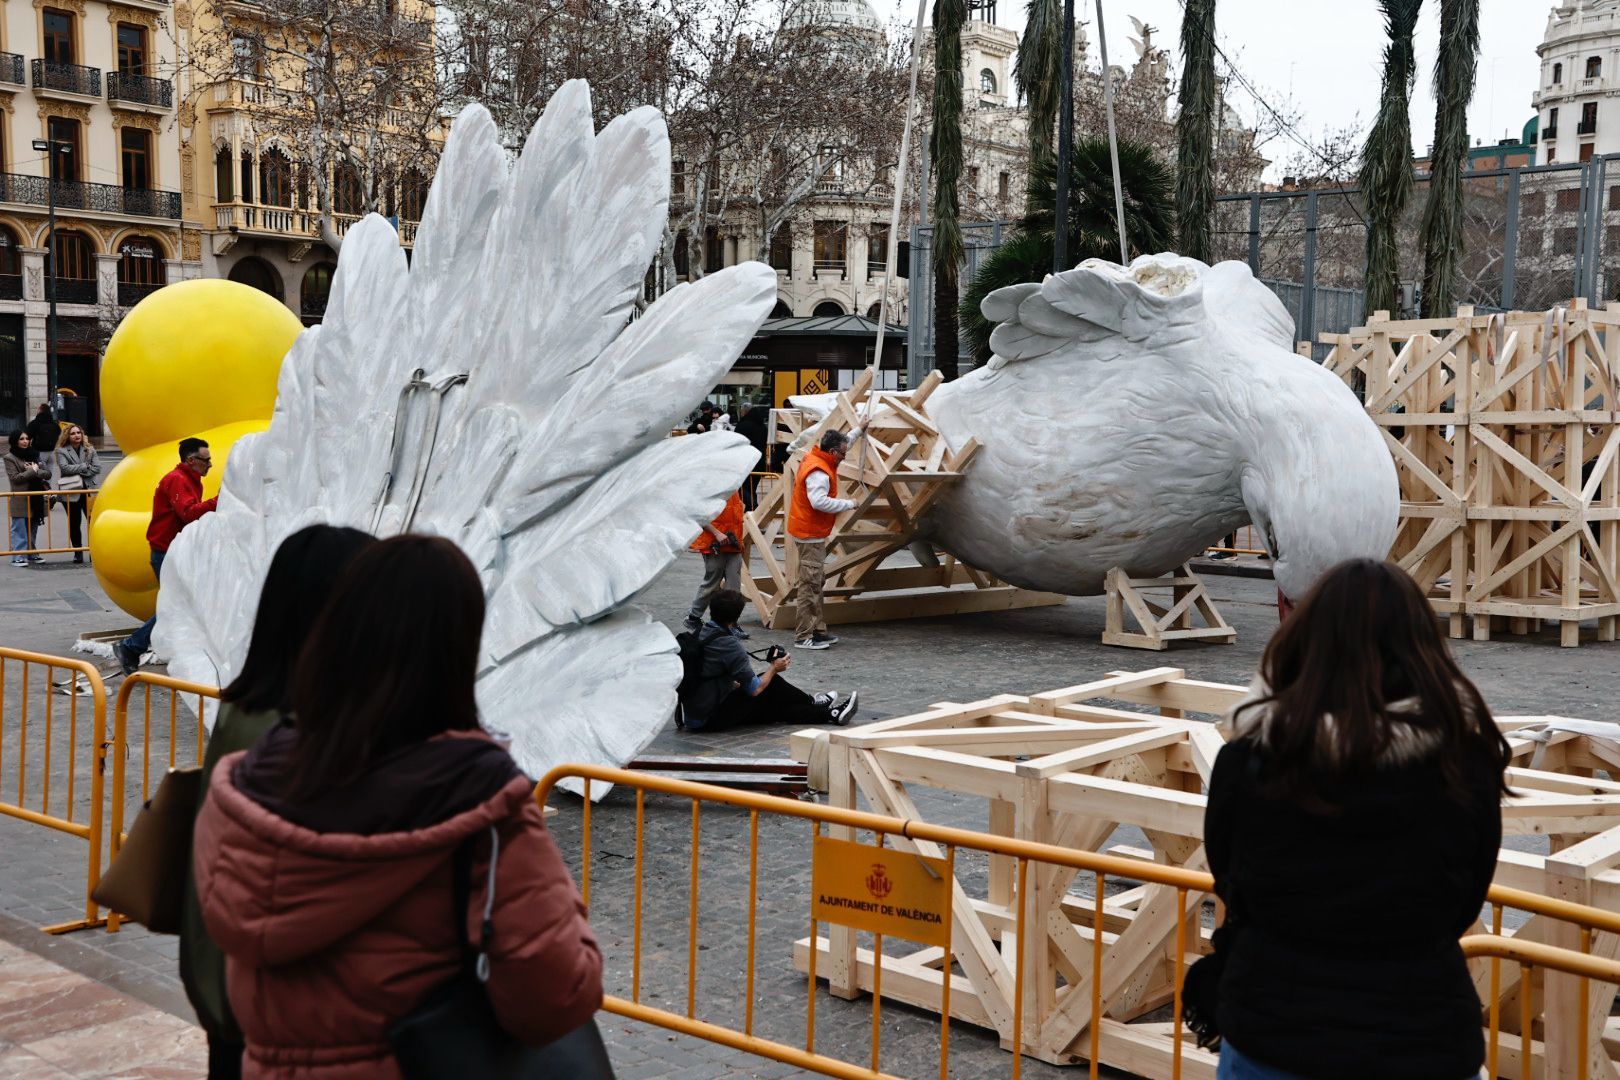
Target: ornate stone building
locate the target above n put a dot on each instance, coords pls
(91, 82)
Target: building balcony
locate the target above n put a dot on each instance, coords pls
(1586, 127)
(239, 93)
(11, 69)
(146, 94)
(288, 221)
(98, 198)
(831, 268)
(130, 293)
(67, 80)
(1549, 134)
(72, 290)
(875, 270)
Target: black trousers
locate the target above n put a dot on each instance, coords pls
(779, 703)
(76, 513)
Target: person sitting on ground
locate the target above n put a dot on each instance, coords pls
(1363, 779)
(730, 694)
(722, 559)
(303, 573)
(331, 857)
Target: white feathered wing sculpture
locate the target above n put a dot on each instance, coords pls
(495, 392)
(1131, 417)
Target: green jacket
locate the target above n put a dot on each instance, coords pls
(202, 965)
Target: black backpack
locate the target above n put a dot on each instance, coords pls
(691, 650)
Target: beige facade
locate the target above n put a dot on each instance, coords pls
(93, 80)
(248, 184)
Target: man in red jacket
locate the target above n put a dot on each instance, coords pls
(177, 503)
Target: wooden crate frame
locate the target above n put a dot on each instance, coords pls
(1505, 437)
(1070, 766)
(895, 472)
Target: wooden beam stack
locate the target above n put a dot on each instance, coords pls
(1506, 438)
(1135, 749)
(895, 472)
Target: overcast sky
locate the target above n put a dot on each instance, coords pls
(1326, 56)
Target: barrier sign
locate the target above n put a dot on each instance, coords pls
(882, 890)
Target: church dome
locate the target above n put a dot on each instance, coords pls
(834, 14)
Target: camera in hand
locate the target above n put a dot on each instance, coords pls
(775, 652)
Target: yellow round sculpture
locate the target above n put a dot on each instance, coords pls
(195, 358)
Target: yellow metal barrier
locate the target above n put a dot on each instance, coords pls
(50, 548)
(1186, 883)
(147, 681)
(31, 672)
(1530, 955)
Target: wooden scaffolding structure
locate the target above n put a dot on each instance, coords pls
(895, 472)
(1071, 766)
(1506, 439)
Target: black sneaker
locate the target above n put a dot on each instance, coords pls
(825, 639)
(129, 661)
(844, 713)
(826, 699)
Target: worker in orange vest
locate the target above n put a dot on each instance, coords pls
(814, 509)
(721, 547)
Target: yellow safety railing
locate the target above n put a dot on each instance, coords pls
(1187, 883)
(50, 547)
(146, 681)
(23, 675)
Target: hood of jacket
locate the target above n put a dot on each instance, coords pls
(279, 883)
(1409, 742)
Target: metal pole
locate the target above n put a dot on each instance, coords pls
(50, 256)
(1065, 154)
(1307, 297)
(1254, 235)
(1113, 138)
(1510, 243)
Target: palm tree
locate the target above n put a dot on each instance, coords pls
(1038, 73)
(1195, 133)
(1442, 216)
(1386, 159)
(1150, 215)
(945, 148)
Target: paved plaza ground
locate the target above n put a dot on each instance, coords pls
(123, 986)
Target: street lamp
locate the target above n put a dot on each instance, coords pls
(47, 147)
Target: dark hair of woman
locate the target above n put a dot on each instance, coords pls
(1361, 640)
(14, 438)
(302, 575)
(391, 661)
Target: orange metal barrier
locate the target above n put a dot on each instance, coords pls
(50, 547)
(1187, 884)
(1530, 955)
(147, 681)
(28, 673)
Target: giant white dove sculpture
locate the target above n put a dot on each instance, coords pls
(496, 391)
(1131, 417)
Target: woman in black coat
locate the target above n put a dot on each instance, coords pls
(1353, 826)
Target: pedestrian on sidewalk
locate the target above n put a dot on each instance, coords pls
(302, 575)
(177, 503)
(77, 468)
(351, 859)
(728, 692)
(1363, 776)
(721, 549)
(44, 432)
(24, 473)
(812, 513)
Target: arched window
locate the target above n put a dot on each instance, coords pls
(259, 274)
(75, 267)
(224, 190)
(141, 270)
(1558, 74)
(828, 309)
(413, 193)
(247, 177)
(987, 81)
(312, 294)
(275, 178)
(874, 311)
(781, 310)
(1594, 67)
(10, 252)
(346, 193)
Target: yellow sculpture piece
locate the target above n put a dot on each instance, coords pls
(195, 358)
